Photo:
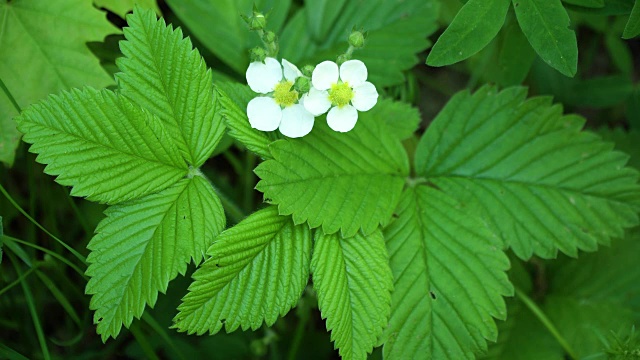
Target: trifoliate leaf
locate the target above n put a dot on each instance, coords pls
(397, 32)
(122, 7)
(449, 279)
(143, 244)
(107, 148)
(164, 74)
(230, 38)
(233, 98)
(475, 25)
(256, 273)
(545, 23)
(340, 181)
(43, 52)
(353, 281)
(538, 181)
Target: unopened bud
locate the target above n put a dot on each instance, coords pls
(302, 85)
(307, 70)
(257, 21)
(269, 37)
(356, 39)
(258, 54)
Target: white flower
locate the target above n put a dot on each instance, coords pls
(281, 108)
(345, 91)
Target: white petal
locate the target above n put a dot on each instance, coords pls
(296, 121)
(365, 96)
(316, 102)
(264, 114)
(324, 75)
(291, 72)
(353, 72)
(262, 78)
(342, 119)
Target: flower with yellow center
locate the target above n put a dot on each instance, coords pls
(344, 91)
(280, 108)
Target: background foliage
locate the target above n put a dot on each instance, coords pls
(578, 54)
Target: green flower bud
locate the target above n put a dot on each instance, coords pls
(257, 21)
(356, 39)
(269, 37)
(307, 70)
(302, 85)
(258, 54)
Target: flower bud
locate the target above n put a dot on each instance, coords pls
(257, 21)
(302, 85)
(356, 39)
(269, 37)
(307, 70)
(258, 54)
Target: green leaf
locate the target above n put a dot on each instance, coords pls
(233, 98)
(449, 279)
(44, 52)
(545, 24)
(507, 60)
(402, 119)
(107, 148)
(586, 3)
(322, 15)
(538, 181)
(164, 74)
(523, 337)
(611, 7)
(602, 91)
(255, 273)
(143, 244)
(122, 7)
(633, 26)
(9, 135)
(619, 53)
(596, 294)
(625, 141)
(353, 281)
(340, 181)
(218, 25)
(397, 32)
(471, 30)
(1, 239)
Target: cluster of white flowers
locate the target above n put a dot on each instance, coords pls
(342, 91)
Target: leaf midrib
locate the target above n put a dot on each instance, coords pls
(528, 184)
(164, 85)
(551, 35)
(112, 148)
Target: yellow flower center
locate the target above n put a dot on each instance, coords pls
(284, 95)
(340, 94)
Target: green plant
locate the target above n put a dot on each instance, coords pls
(414, 241)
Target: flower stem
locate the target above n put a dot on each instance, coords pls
(271, 47)
(546, 322)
